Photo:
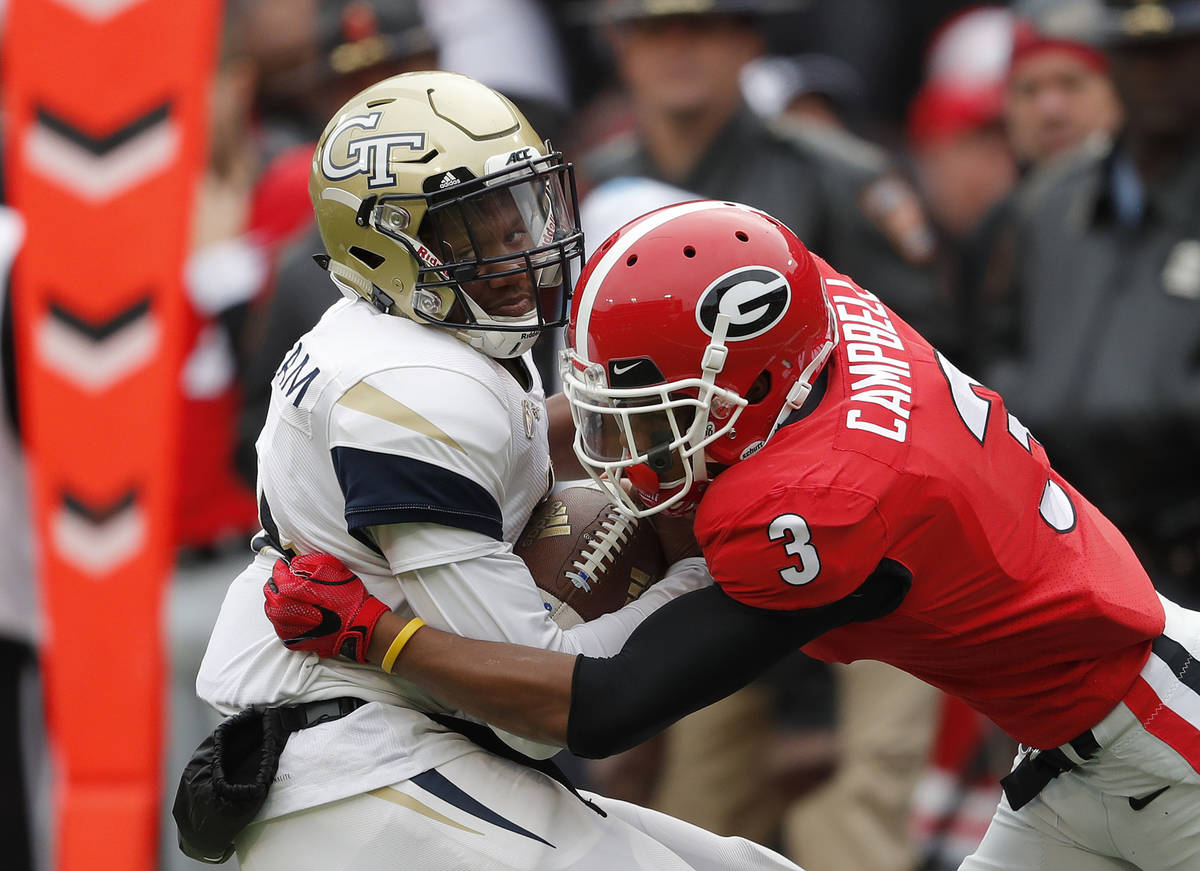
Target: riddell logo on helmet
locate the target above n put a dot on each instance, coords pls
(368, 154)
(754, 297)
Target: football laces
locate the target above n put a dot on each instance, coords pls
(615, 530)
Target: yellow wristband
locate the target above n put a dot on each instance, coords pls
(401, 639)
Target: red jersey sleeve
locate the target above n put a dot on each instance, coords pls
(794, 547)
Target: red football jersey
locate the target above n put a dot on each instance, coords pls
(1026, 602)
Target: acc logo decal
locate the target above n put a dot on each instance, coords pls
(518, 155)
(368, 154)
(754, 297)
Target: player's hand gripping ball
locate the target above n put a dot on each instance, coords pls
(318, 605)
(586, 557)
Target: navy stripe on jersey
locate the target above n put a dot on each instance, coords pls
(435, 782)
(268, 524)
(386, 488)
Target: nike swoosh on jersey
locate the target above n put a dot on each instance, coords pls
(330, 623)
(1138, 803)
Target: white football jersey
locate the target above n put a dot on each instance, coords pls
(416, 460)
(375, 420)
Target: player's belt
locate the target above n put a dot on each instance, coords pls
(1161, 697)
(306, 714)
(1038, 767)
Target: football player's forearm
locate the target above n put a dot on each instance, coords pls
(522, 690)
(697, 649)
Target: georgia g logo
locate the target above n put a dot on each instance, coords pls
(368, 154)
(754, 297)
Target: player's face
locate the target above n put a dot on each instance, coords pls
(625, 433)
(494, 231)
(502, 235)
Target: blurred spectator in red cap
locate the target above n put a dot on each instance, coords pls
(956, 120)
(1061, 102)
(1059, 92)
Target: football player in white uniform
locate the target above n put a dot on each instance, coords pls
(407, 434)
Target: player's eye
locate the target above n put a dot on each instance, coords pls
(516, 238)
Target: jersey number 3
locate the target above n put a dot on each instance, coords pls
(793, 531)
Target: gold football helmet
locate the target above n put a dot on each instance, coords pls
(437, 201)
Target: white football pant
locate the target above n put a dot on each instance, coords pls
(1105, 815)
(483, 813)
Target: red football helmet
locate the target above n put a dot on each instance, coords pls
(695, 330)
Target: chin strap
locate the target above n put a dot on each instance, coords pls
(349, 282)
(799, 391)
(502, 344)
(711, 364)
(498, 344)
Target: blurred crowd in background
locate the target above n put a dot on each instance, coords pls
(1021, 182)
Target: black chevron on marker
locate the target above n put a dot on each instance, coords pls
(102, 145)
(99, 331)
(98, 514)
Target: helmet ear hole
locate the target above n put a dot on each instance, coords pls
(760, 389)
(370, 258)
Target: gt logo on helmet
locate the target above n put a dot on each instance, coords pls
(754, 297)
(368, 154)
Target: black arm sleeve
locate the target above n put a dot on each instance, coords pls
(698, 649)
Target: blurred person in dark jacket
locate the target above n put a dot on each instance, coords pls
(1059, 98)
(1099, 355)
(680, 63)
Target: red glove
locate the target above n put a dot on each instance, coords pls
(317, 604)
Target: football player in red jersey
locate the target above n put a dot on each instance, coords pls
(856, 495)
